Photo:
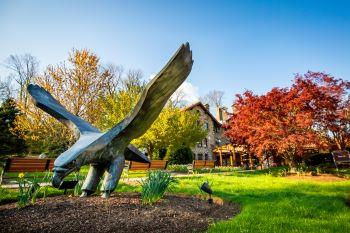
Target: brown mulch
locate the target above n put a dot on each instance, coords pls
(319, 177)
(119, 213)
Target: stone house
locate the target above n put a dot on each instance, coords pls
(215, 137)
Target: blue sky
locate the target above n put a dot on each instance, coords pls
(236, 45)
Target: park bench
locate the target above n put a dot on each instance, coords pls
(32, 164)
(158, 165)
(153, 165)
(25, 165)
(341, 157)
(198, 164)
(137, 166)
(203, 164)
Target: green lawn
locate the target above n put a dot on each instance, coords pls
(277, 204)
(271, 204)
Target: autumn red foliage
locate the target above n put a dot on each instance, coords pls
(313, 112)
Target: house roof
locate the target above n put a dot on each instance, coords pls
(200, 104)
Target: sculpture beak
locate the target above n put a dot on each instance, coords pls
(58, 175)
(56, 180)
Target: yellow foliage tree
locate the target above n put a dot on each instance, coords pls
(118, 105)
(174, 129)
(79, 85)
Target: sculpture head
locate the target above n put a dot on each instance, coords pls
(62, 169)
(78, 155)
(59, 174)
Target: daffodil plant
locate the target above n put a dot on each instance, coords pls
(27, 190)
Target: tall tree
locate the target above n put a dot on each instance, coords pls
(80, 85)
(329, 99)
(313, 111)
(174, 129)
(5, 90)
(277, 123)
(118, 105)
(24, 69)
(10, 139)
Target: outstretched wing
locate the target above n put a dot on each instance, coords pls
(44, 100)
(155, 96)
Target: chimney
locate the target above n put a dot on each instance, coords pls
(221, 114)
(224, 114)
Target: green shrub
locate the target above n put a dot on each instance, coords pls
(178, 168)
(181, 156)
(218, 169)
(184, 169)
(278, 171)
(154, 187)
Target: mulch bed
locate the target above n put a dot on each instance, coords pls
(119, 213)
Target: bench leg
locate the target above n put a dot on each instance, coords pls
(112, 176)
(92, 179)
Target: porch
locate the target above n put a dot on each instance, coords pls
(231, 155)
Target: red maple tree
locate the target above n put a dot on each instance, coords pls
(284, 121)
(329, 99)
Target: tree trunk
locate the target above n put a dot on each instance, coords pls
(150, 151)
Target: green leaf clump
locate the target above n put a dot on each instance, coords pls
(154, 187)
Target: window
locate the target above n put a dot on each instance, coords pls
(206, 157)
(200, 144)
(205, 144)
(200, 157)
(206, 126)
(216, 129)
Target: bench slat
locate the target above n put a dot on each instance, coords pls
(203, 164)
(26, 169)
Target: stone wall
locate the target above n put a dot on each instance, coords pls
(204, 150)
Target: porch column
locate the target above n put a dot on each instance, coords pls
(231, 160)
(250, 161)
(234, 155)
(220, 154)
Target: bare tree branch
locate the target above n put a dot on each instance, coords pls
(5, 90)
(213, 98)
(24, 68)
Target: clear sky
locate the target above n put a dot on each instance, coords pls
(236, 45)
